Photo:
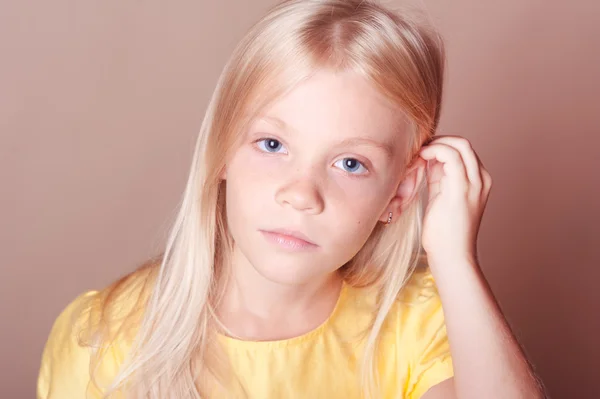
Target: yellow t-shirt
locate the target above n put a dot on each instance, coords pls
(414, 353)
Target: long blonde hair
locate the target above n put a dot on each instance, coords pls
(175, 352)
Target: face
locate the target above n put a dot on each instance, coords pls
(313, 175)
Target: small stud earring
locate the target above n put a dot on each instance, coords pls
(389, 218)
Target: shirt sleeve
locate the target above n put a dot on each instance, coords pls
(431, 362)
(65, 364)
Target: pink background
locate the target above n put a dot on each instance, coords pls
(100, 103)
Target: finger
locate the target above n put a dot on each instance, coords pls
(451, 159)
(468, 155)
(487, 183)
(479, 160)
(434, 180)
(435, 170)
(486, 178)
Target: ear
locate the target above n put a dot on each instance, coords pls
(407, 190)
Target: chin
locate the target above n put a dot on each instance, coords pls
(279, 265)
(286, 273)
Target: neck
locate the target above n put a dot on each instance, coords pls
(257, 308)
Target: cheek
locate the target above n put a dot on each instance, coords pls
(249, 168)
(247, 185)
(354, 221)
(358, 206)
(361, 201)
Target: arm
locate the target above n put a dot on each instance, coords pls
(487, 359)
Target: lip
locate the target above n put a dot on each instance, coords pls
(290, 239)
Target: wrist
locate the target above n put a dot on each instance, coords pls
(450, 263)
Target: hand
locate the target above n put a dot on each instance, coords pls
(459, 187)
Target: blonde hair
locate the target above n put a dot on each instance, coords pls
(175, 353)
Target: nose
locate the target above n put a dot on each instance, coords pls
(302, 195)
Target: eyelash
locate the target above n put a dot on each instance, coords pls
(354, 175)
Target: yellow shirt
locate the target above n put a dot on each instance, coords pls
(413, 355)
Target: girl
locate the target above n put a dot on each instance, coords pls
(295, 267)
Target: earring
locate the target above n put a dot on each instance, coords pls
(389, 218)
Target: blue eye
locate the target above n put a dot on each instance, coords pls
(351, 165)
(270, 145)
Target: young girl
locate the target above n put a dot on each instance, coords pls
(300, 264)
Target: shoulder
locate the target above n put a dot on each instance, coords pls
(419, 305)
(413, 344)
(415, 305)
(95, 324)
(419, 327)
(417, 316)
(63, 358)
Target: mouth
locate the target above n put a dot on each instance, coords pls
(289, 239)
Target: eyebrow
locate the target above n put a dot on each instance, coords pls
(387, 148)
(273, 119)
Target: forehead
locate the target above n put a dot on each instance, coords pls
(339, 105)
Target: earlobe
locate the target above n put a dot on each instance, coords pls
(393, 210)
(407, 191)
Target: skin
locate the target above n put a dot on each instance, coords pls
(335, 170)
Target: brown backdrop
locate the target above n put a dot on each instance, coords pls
(100, 103)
